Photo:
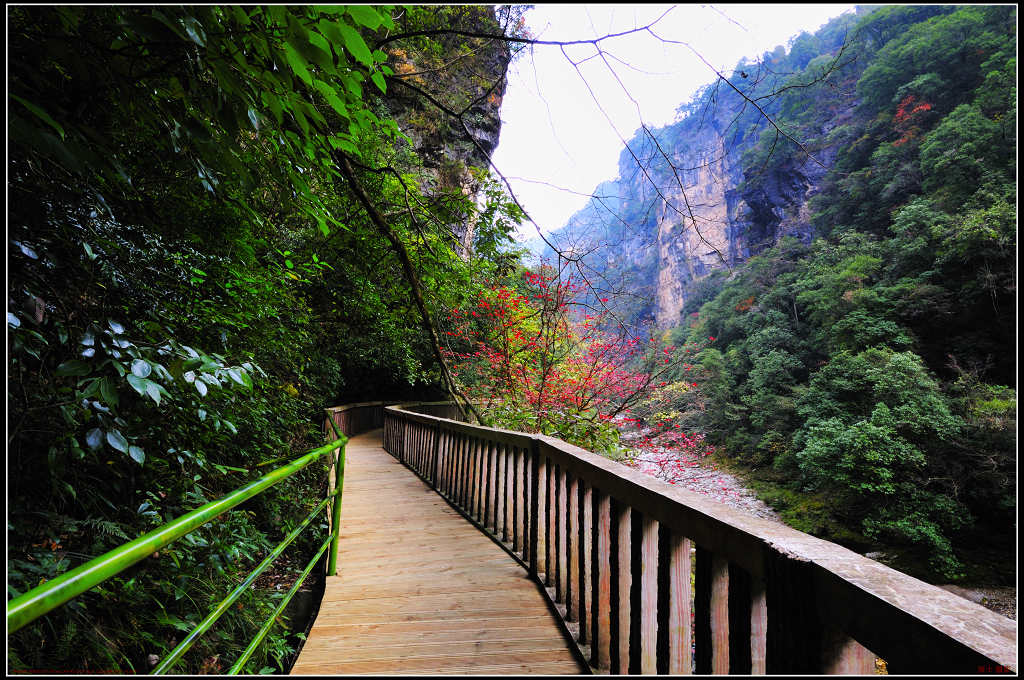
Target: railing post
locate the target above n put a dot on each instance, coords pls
(486, 465)
(534, 515)
(548, 489)
(842, 655)
(572, 534)
(474, 475)
(405, 441)
(437, 457)
(719, 615)
(539, 473)
(648, 613)
(560, 526)
(465, 446)
(622, 573)
(679, 633)
(601, 580)
(759, 626)
(501, 509)
(586, 542)
(339, 484)
(518, 500)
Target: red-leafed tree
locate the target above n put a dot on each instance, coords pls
(909, 118)
(541, 358)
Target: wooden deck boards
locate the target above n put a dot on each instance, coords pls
(421, 591)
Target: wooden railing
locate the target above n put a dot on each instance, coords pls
(650, 578)
(352, 419)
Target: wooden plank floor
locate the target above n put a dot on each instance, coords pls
(420, 590)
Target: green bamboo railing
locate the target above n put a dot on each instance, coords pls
(45, 598)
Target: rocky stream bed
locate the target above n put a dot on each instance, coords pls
(688, 467)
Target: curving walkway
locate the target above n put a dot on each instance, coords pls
(420, 590)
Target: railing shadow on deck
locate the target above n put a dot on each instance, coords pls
(650, 578)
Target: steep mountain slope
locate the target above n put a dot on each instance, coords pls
(719, 185)
(858, 289)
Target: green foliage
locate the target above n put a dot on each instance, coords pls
(953, 44)
(955, 155)
(580, 429)
(192, 280)
(867, 418)
(858, 377)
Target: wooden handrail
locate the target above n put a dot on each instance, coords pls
(616, 550)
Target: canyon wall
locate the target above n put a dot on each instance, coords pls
(452, 73)
(717, 187)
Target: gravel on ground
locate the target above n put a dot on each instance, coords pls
(694, 471)
(1000, 599)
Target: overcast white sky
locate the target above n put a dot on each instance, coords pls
(553, 131)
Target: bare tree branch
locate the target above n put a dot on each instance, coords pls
(410, 275)
(515, 39)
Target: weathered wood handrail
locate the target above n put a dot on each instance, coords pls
(612, 547)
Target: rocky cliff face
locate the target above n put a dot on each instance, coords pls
(696, 223)
(712, 213)
(717, 188)
(733, 214)
(465, 76)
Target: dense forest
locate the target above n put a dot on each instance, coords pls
(222, 220)
(875, 366)
(861, 297)
(216, 220)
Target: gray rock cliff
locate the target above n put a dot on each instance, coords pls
(716, 188)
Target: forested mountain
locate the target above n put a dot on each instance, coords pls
(853, 261)
(210, 214)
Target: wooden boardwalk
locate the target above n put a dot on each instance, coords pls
(422, 591)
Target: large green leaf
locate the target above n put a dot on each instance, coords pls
(117, 440)
(365, 15)
(94, 438)
(140, 385)
(39, 113)
(137, 454)
(194, 31)
(320, 42)
(141, 368)
(355, 44)
(154, 390)
(240, 377)
(331, 95)
(74, 367)
(316, 49)
(108, 390)
(298, 63)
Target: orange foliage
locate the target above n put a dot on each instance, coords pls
(744, 305)
(907, 118)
